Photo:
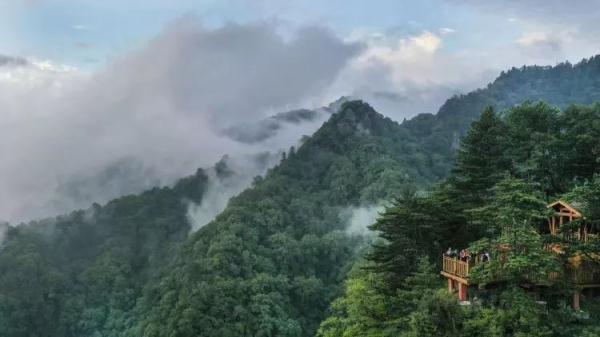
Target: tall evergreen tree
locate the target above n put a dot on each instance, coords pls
(579, 134)
(534, 146)
(415, 226)
(405, 233)
(481, 160)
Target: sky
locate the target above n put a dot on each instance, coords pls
(104, 98)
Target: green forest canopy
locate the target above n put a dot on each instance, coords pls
(507, 169)
(273, 261)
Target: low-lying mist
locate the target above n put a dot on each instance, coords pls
(226, 179)
(155, 114)
(358, 219)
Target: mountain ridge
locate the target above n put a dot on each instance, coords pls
(269, 264)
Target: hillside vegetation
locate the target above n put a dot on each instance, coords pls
(507, 170)
(275, 259)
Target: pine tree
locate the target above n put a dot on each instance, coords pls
(406, 233)
(481, 160)
(413, 227)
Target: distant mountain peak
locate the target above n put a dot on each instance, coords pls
(263, 129)
(360, 114)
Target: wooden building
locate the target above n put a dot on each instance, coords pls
(581, 274)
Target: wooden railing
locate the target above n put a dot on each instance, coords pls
(579, 236)
(577, 275)
(582, 275)
(455, 266)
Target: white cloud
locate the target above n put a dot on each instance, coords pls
(221, 186)
(402, 76)
(160, 107)
(533, 39)
(80, 27)
(406, 57)
(427, 41)
(446, 31)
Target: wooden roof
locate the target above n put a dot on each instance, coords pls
(566, 205)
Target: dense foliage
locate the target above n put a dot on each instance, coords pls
(273, 261)
(270, 264)
(81, 274)
(507, 169)
(438, 136)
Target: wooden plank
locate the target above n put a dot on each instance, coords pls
(455, 278)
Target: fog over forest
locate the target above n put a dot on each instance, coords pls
(167, 104)
(299, 168)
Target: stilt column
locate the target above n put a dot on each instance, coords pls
(450, 285)
(577, 300)
(463, 292)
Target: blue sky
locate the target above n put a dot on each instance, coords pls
(87, 33)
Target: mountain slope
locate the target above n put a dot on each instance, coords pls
(507, 170)
(274, 259)
(270, 257)
(559, 86)
(71, 275)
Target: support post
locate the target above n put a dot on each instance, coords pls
(463, 292)
(450, 285)
(577, 300)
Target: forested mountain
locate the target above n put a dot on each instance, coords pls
(272, 262)
(508, 168)
(81, 274)
(438, 135)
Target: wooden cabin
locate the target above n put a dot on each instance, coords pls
(563, 213)
(581, 274)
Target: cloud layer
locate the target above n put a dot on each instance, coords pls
(154, 114)
(192, 94)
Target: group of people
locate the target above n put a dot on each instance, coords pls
(465, 255)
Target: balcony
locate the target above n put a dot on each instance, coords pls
(579, 275)
(454, 266)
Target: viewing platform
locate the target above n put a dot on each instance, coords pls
(580, 273)
(456, 269)
(457, 273)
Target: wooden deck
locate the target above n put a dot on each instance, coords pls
(456, 269)
(579, 273)
(583, 277)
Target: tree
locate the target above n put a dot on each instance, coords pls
(366, 309)
(481, 160)
(518, 249)
(579, 135)
(533, 145)
(407, 231)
